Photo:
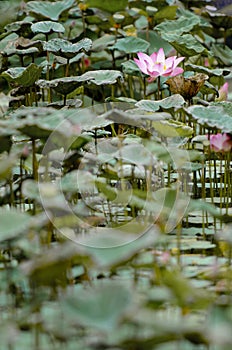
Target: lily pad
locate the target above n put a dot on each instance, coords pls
(65, 48)
(47, 27)
(23, 76)
(131, 44)
(48, 9)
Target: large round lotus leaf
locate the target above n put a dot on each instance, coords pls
(110, 6)
(174, 101)
(23, 76)
(103, 77)
(65, 48)
(179, 26)
(131, 44)
(172, 128)
(217, 115)
(47, 27)
(48, 9)
(13, 223)
(64, 85)
(187, 45)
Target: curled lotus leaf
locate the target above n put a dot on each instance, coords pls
(205, 70)
(23, 76)
(64, 85)
(65, 48)
(47, 27)
(48, 9)
(187, 45)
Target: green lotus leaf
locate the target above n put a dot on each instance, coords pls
(166, 12)
(101, 43)
(172, 128)
(109, 6)
(187, 45)
(23, 76)
(103, 77)
(208, 71)
(222, 53)
(64, 85)
(48, 9)
(131, 68)
(65, 48)
(218, 115)
(47, 27)
(20, 52)
(155, 40)
(174, 101)
(13, 223)
(134, 154)
(131, 44)
(20, 27)
(179, 26)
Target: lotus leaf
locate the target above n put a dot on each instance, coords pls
(131, 44)
(103, 77)
(23, 76)
(65, 48)
(186, 45)
(215, 116)
(111, 7)
(47, 9)
(174, 101)
(47, 27)
(13, 224)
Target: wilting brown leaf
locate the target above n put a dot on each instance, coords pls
(187, 87)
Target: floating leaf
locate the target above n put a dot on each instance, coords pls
(65, 48)
(131, 44)
(23, 76)
(48, 9)
(47, 27)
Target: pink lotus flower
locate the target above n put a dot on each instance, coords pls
(221, 142)
(157, 65)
